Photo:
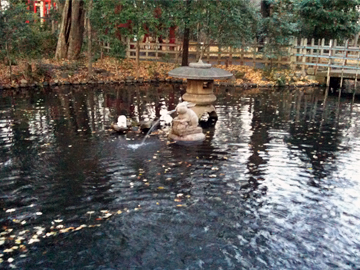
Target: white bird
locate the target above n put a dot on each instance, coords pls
(121, 124)
(165, 118)
(205, 117)
(146, 123)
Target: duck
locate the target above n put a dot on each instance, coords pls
(121, 125)
(146, 123)
(165, 117)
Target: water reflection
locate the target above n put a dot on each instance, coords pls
(273, 186)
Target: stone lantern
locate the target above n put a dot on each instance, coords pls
(200, 82)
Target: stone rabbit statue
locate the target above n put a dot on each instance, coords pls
(187, 115)
(185, 125)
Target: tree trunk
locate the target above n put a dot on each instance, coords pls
(265, 8)
(71, 30)
(89, 42)
(52, 26)
(9, 60)
(185, 54)
(59, 5)
(62, 46)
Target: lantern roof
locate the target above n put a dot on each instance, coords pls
(200, 71)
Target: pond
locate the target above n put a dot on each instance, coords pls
(275, 185)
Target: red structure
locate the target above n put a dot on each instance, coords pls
(157, 14)
(41, 7)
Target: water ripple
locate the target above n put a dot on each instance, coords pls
(274, 186)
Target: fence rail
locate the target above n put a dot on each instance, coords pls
(311, 56)
(251, 53)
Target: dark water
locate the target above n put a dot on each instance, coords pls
(274, 186)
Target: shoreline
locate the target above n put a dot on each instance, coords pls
(48, 73)
(151, 81)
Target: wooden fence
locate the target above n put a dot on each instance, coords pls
(251, 53)
(328, 58)
(312, 57)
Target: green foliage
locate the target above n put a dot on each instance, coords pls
(113, 20)
(229, 23)
(43, 43)
(118, 49)
(166, 58)
(239, 74)
(278, 29)
(22, 34)
(153, 71)
(42, 72)
(71, 66)
(14, 30)
(331, 19)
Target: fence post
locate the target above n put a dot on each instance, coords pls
(147, 48)
(329, 64)
(279, 59)
(219, 55)
(208, 53)
(255, 48)
(266, 59)
(312, 49)
(177, 55)
(128, 47)
(198, 49)
(137, 51)
(356, 39)
(322, 46)
(317, 56)
(242, 48)
(156, 49)
(356, 73)
(343, 64)
(230, 55)
(304, 51)
(293, 57)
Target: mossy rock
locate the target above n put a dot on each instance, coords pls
(239, 74)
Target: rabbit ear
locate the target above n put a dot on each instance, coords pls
(187, 104)
(190, 104)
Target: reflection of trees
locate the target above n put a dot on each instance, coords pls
(20, 137)
(135, 100)
(78, 172)
(314, 132)
(61, 129)
(264, 115)
(51, 148)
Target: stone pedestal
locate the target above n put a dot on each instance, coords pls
(200, 110)
(201, 93)
(181, 131)
(200, 81)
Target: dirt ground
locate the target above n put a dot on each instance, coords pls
(48, 72)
